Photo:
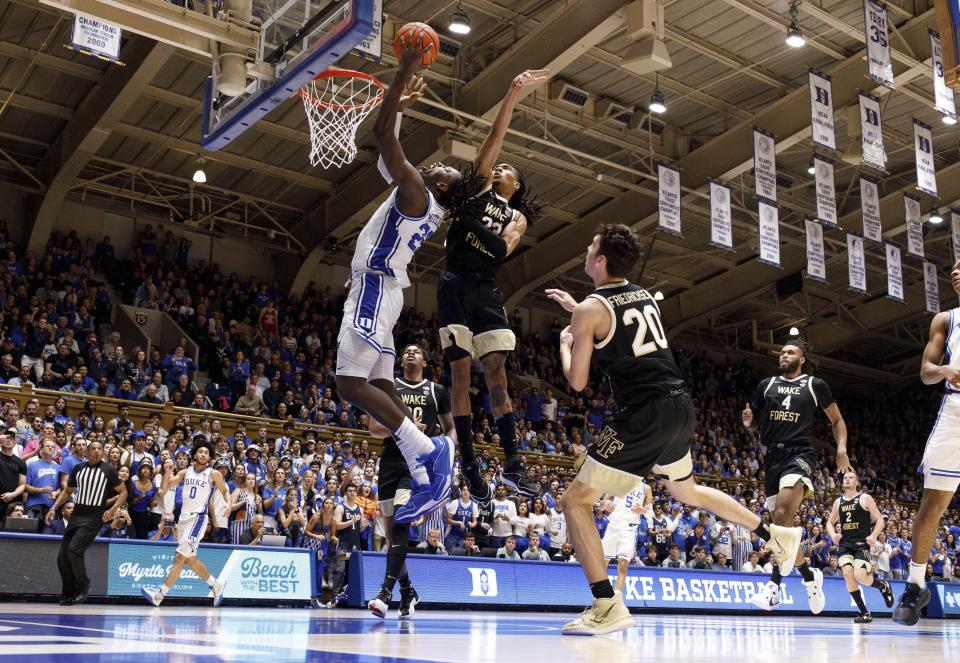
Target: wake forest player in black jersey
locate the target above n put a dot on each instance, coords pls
(489, 218)
(619, 326)
(860, 524)
(783, 409)
(430, 405)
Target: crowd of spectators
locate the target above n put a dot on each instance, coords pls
(269, 355)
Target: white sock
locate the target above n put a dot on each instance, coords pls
(413, 444)
(918, 574)
(163, 590)
(211, 581)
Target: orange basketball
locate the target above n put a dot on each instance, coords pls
(410, 33)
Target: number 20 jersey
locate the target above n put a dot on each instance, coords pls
(785, 408)
(635, 355)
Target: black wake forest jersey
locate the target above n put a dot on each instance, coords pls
(426, 400)
(855, 525)
(635, 355)
(466, 253)
(784, 409)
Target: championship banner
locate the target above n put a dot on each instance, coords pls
(769, 232)
(826, 190)
(669, 187)
(942, 95)
(372, 45)
(914, 223)
(721, 220)
(923, 146)
(955, 233)
(871, 133)
(870, 209)
(856, 264)
(93, 36)
(764, 165)
(931, 289)
(822, 125)
(816, 261)
(879, 64)
(894, 273)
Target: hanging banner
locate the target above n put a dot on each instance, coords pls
(871, 133)
(894, 273)
(721, 220)
(826, 191)
(942, 95)
(923, 147)
(856, 264)
(931, 289)
(879, 64)
(92, 36)
(769, 232)
(914, 223)
(816, 261)
(822, 125)
(764, 165)
(955, 233)
(669, 186)
(870, 209)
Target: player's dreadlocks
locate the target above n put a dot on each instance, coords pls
(456, 198)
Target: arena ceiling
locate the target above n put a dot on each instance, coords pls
(76, 128)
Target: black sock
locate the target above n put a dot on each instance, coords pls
(775, 577)
(805, 572)
(464, 426)
(878, 583)
(762, 531)
(396, 555)
(602, 589)
(507, 428)
(858, 599)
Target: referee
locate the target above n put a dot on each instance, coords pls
(93, 482)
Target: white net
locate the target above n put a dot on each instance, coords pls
(336, 105)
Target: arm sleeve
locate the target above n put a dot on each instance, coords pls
(443, 399)
(490, 240)
(381, 166)
(823, 393)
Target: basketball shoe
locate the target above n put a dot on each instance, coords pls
(380, 604)
(514, 477)
(912, 601)
(604, 616)
(217, 589)
(815, 596)
(479, 489)
(153, 596)
(784, 544)
(408, 602)
(768, 598)
(427, 497)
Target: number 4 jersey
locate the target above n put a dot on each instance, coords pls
(784, 408)
(635, 355)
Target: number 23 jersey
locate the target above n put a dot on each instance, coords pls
(635, 355)
(784, 409)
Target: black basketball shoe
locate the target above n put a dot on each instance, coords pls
(912, 601)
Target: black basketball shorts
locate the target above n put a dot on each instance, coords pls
(856, 556)
(473, 321)
(785, 466)
(393, 482)
(654, 436)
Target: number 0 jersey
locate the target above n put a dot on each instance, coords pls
(635, 355)
(426, 400)
(784, 409)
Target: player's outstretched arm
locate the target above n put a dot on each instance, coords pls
(411, 193)
(839, 436)
(931, 372)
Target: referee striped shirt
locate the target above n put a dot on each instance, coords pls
(92, 486)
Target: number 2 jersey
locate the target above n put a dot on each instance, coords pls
(784, 409)
(635, 356)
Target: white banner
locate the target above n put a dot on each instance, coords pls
(764, 165)
(372, 45)
(923, 146)
(816, 261)
(769, 234)
(669, 187)
(871, 133)
(894, 273)
(95, 36)
(955, 233)
(942, 95)
(721, 220)
(870, 209)
(931, 289)
(879, 64)
(914, 223)
(856, 264)
(822, 125)
(826, 191)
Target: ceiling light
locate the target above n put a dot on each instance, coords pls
(199, 176)
(460, 22)
(658, 104)
(949, 119)
(658, 296)
(794, 35)
(794, 331)
(935, 217)
(812, 169)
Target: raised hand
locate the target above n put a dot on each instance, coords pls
(843, 463)
(413, 52)
(563, 298)
(411, 92)
(747, 415)
(530, 77)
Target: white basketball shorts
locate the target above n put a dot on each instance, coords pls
(941, 458)
(365, 346)
(620, 543)
(190, 530)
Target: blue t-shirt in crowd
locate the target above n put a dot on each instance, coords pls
(40, 474)
(268, 492)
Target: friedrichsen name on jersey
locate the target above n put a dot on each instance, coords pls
(622, 298)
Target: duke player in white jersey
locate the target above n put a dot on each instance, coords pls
(365, 350)
(941, 457)
(620, 538)
(199, 481)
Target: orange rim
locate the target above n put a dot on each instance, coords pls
(334, 72)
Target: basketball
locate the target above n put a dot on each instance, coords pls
(411, 32)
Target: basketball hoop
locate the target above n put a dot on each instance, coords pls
(337, 101)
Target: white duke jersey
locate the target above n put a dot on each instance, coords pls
(952, 349)
(622, 515)
(389, 239)
(197, 491)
